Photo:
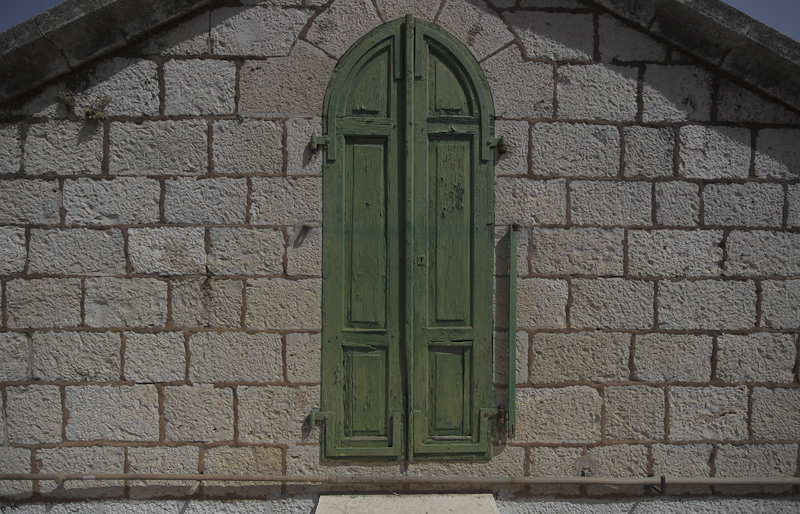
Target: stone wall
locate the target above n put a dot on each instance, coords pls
(161, 268)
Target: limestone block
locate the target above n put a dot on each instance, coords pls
(167, 250)
(481, 30)
(737, 104)
(780, 303)
(530, 202)
(776, 413)
(78, 251)
(597, 92)
(649, 151)
(759, 357)
(44, 302)
(555, 36)
(610, 203)
(556, 4)
(275, 414)
(761, 252)
(393, 9)
(305, 460)
(235, 357)
(162, 459)
(304, 253)
(245, 460)
(123, 302)
(634, 412)
(714, 152)
(196, 87)
(33, 414)
(611, 303)
(300, 159)
(620, 460)
(12, 250)
(707, 413)
(15, 460)
(501, 259)
(64, 148)
(36, 202)
(515, 160)
(675, 253)
(793, 219)
(341, 24)
(690, 460)
(541, 303)
(116, 413)
(200, 413)
(548, 461)
(44, 104)
(264, 32)
(506, 461)
(706, 305)
(240, 251)
(286, 86)
(619, 42)
(284, 304)
(14, 357)
(583, 356)
(575, 150)
(286, 201)
(10, 148)
(159, 148)
(777, 154)
(676, 93)
(211, 200)
(744, 205)
(581, 251)
(91, 460)
(501, 357)
(303, 357)
(76, 356)
(248, 146)
(677, 204)
(207, 302)
(190, 38)
(130, 84)
(751, 460)
(564, 415)
(672, 358)
(124, 200)
(521, 88)
(157, 357)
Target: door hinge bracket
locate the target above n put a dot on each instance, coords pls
(317, 141)
(500, 142)
(316, 416)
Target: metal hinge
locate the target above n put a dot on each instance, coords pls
(500, 142)
(317, 141)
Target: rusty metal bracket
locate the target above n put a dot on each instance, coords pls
(500, 142)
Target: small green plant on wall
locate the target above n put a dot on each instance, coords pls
(94, 111)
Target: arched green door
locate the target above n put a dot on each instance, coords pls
(408, 193)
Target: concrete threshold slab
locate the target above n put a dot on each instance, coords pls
(407, 504)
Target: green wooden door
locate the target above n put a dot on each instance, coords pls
(407, 250)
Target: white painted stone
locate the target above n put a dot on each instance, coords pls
(303, 357)
(530, 202)
(200, 413)
(33, 414)
(521, 89)
(130, 84)
(264, 32)
(400, 504)
(124, 200)
(76, 356)
(12, 250)
(482, 31)
(240, 251)
(582, 251)
(77, 251)
(14, 357)
(304, 253)
(541, 303)
(10, 148)
(167, 250)
(575, 150)
(675, 253)
(159, 148)
(280, 304)
(592, 356)
(556, 36)
(697, 413)
(595, 202)
(777, 154)
(764, 253)
(286, 201)
(776, 413)
(248, 146)
(189, 38)
(153, 358)
(676, 93)
(780, 303)
(44, 302)
(30, 202)
(564, 415)
(89, 460)
(15, 460)
(751, 460)
(198, 86)
(611, 303)
(759, 357)
(124, 302)
(634, 412)
(113, 413)
(737, 104)
(63, 148)
(275, 414)
(677, 204)
(235, 357)
(341, 24)
(672, 358)
(706, 305)
(714, 152)
(619, 42)
(205, 201)
(207, 302)
(649, 151)
(596, 92)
